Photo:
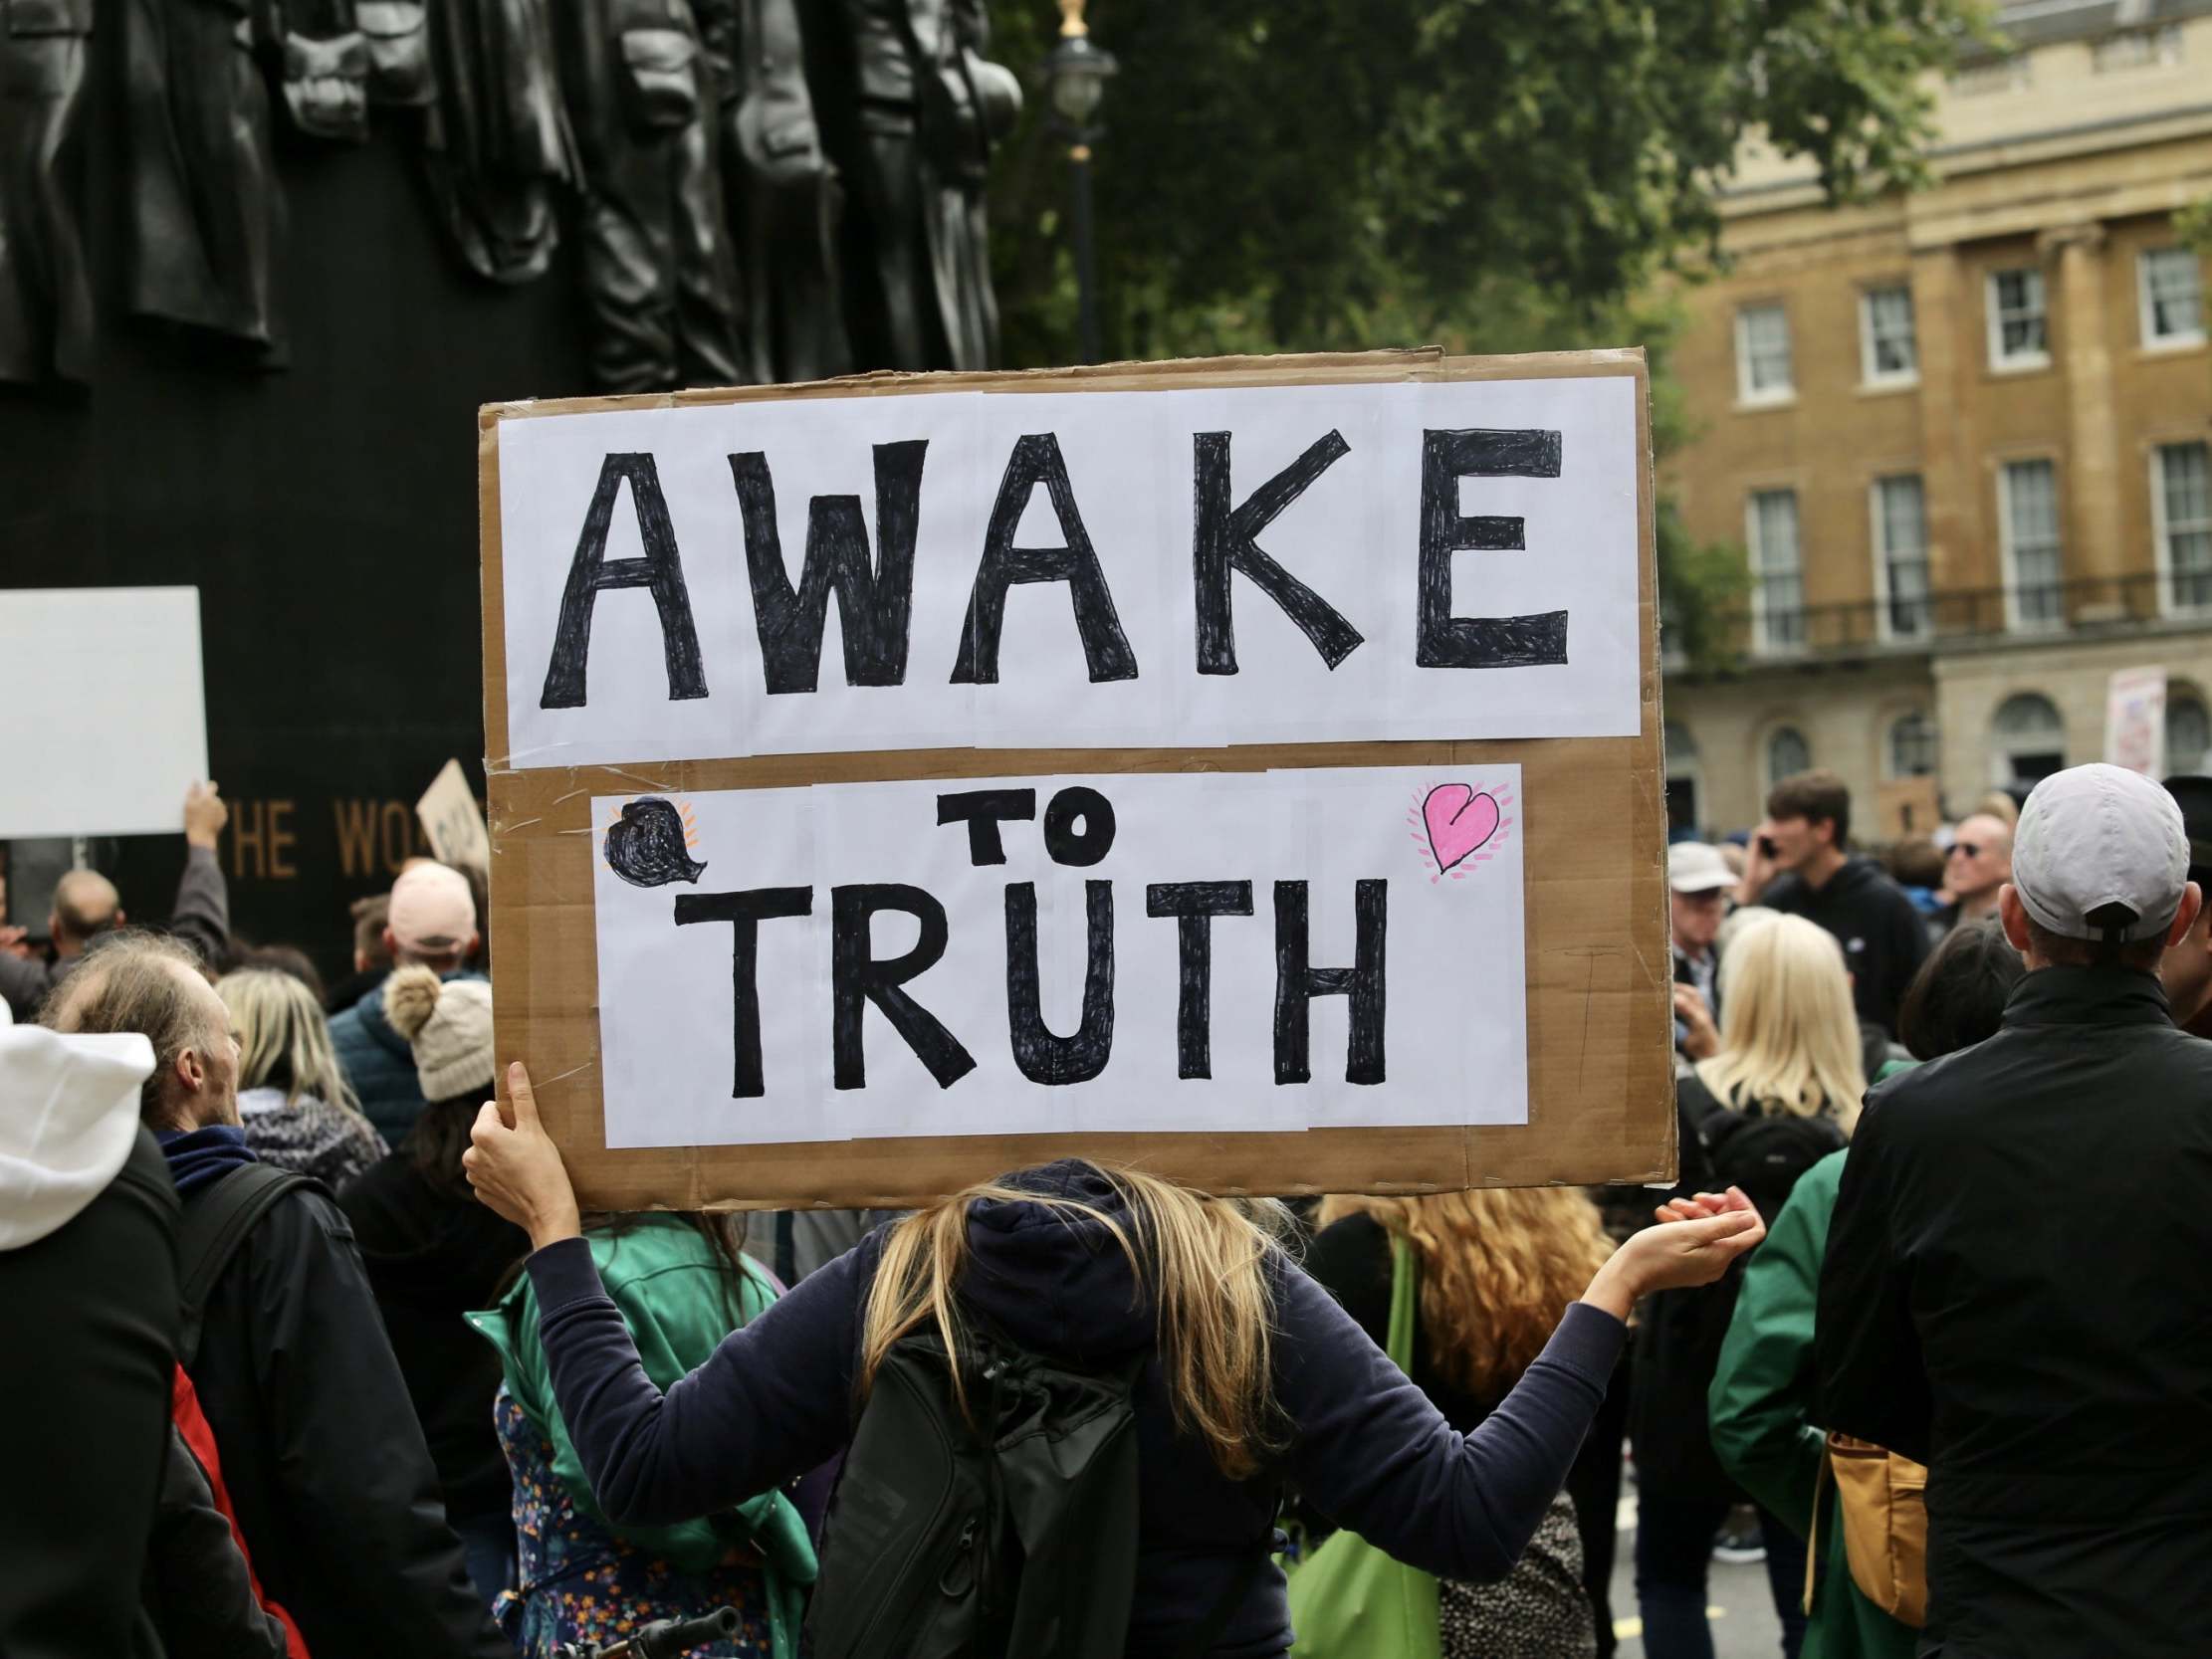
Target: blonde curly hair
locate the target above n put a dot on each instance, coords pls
(1498, 1267)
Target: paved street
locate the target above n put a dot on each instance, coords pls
(1741, 1610)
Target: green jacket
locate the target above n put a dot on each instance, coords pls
(1761, 1404)
(668, 1283)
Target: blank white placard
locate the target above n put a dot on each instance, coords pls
(107, 722)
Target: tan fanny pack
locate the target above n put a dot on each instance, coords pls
(1885, 1525)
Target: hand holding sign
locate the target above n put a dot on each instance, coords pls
(516, 1169)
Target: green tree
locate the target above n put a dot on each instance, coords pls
(1491, 175)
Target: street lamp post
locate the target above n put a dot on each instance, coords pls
(1076, 73)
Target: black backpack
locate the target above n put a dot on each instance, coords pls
(1014, 1536)
(214, 1227)
(1766, 1152)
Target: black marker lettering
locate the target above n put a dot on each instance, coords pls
(745, 912)
(1194, 905)
(1041, 1056)
(876, 599)
(1222, 539)
(982, 811)
(1068, 845)
(1298, 983)
(660, 572)
(857, 976)
(1106, 654)
(1447, 641)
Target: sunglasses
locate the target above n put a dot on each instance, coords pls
(1964, 849)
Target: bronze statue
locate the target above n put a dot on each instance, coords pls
(660, 277)
(46, 303)
(495, 139)
(785, 198)
(325, 61)
(205, 213)
(920, 109)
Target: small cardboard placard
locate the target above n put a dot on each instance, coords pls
(1246, 769)
(453, 821)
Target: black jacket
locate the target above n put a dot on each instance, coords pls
(432, 1256)
(321, 1455)
(88, 1349)
(1883, 935)
(2013, 1293)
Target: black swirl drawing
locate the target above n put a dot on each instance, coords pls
(646, 846)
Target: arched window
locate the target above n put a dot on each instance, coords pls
(1788, 753)
(1912, 746)
(2027, 740)
(2188, 731)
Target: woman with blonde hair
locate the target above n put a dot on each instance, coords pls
(1782, 1094)
(294, 1102)
(1494, 1268)
(1247, 1375)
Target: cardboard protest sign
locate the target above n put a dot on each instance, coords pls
(453, 821)
(111, 753)
(1906, 807)
(2136, 720)
(1247, 769)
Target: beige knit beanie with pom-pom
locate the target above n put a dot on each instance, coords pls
(448, 1023)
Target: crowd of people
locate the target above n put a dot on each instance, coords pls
(318, 1354)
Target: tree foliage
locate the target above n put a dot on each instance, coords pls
(1305, 174)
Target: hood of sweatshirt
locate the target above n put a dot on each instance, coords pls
(69, 1114)
(1053, 1280)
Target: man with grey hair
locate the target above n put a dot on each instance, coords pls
(325, 1462)
(2008, 1294)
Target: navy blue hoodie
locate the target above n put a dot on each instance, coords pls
(1362, 1442)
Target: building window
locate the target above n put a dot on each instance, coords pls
(1889, 355)
(2018, 337)
(2188, 731)
(1763, 354)
(1912, 746)
(2026, 741)
(2181, 503)
(1777, 572)
(2137, 49)
(2172, 296)
(1998, 74)
(1902, 555)
(2028, 522)
(1788, 753)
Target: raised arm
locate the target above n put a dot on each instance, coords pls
(1376, 1457)
(772, 1400)
(201, 915)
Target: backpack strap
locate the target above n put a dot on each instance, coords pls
(212, 1230)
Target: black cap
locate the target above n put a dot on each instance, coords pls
(2193, 795)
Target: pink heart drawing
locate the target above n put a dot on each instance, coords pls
(1458, 822)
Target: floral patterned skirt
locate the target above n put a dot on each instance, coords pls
(579, 1583)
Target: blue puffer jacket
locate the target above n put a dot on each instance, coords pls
(379, 1064)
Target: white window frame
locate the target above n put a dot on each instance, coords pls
(2005, 748)
(1755, 552)
(2149, 340)
(1994, 323)
(1770, 396)
(2179, 693)
(2162, 531)
(1877, 529)
(1889, 745)
(1870, 372)
(2008, 553)
(1795, 728)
